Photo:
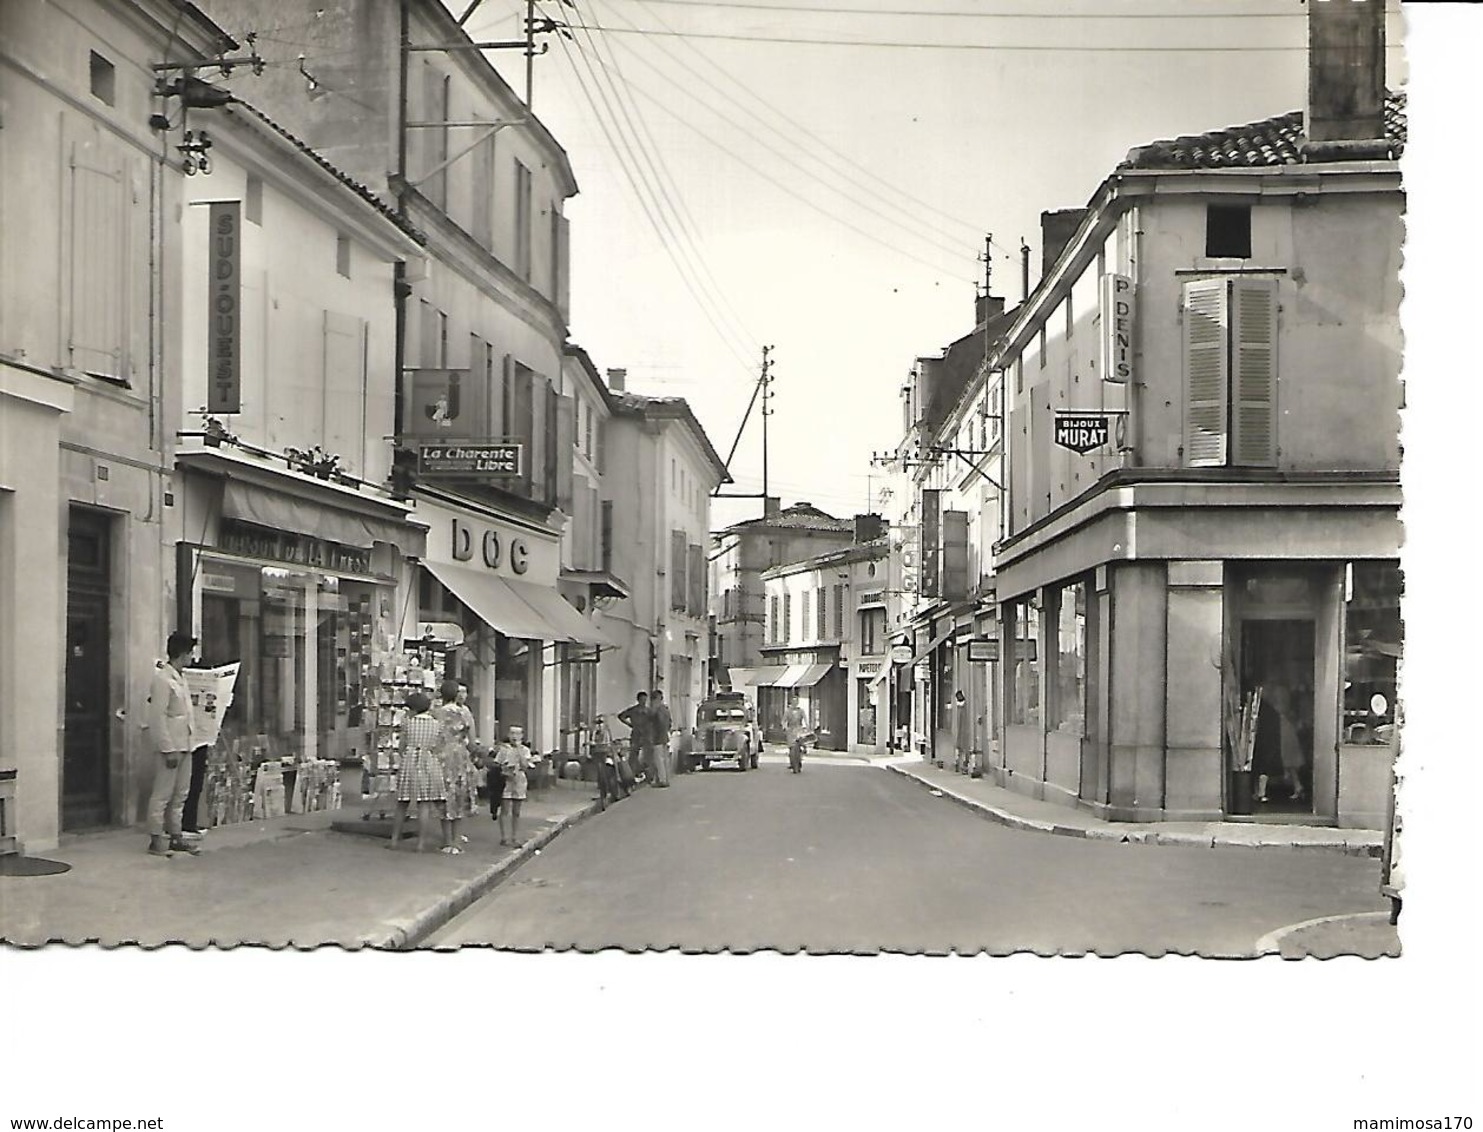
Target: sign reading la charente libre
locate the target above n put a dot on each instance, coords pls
(468, 458)
(1081, 432)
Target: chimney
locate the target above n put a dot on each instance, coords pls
(1345, 115)
(986, 307)
(771, 506)
(868, 528)
(617, 379)
(1056, 230)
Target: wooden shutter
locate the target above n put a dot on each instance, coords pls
(695, 564)
(677, 571)
(803, 628)
(607, 535)
(521, 420)
(566, 437)
(1254, 377)
(839, 611)
(1206, 371)
(822, 613)
(344, 389)
(97, 266)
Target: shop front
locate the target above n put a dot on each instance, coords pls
(527, 653)
(302, 587)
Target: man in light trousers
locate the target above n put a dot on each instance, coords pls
(171, 730)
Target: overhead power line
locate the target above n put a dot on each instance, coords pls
(979, 14)
(821, 41)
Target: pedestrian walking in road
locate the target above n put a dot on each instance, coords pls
(660, 726)
(171, 722)
(515, 759)
(610, 786)
(637, 718)
(420, 775)
(458, 767)
(795, 729)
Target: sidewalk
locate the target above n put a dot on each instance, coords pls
(289, 881)
(1019, 811)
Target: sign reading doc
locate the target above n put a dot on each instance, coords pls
(493, 548)
(472, 458)
(1081, 432)
(224, 309)
(1118, 310)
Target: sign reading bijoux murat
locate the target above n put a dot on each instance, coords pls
(1081, 432)
(224, 309)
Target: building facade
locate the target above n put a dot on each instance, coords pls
(1197, 578)
(660, 454)
(90, 364)
(827, 643)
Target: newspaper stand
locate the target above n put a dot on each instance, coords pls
(381, 776)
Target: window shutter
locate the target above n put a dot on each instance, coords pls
(677, 571)
(607, 535)
(566, 439)
(839, 611)
(1254, 350)
(695, 560)
(1206, 371)
(803, 615)
(98, 264)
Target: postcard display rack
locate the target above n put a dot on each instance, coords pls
(419, 668)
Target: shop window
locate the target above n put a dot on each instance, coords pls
(1372, 635)
(101, 78)
(1023, 670)
(1071, 660)
(1228, 231)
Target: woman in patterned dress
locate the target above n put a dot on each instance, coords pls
(458, 778)
(420, 776)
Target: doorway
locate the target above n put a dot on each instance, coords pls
(1277, 656)
(86, 715)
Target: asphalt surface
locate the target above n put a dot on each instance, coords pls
(848, 857)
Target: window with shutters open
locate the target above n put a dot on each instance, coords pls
(677, 571)
(1230, 366)
(561, 451)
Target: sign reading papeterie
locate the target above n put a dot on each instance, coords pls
(468, 458)
(1081, 432)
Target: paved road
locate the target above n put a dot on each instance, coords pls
(849, 857)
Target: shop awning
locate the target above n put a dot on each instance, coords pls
(802, 675)
(758, 676)
(495, 602)
(946, 632)
(283, 511)
(558, 612)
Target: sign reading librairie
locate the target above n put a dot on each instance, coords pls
(224, 309)
(1081, 432)
(468, 458)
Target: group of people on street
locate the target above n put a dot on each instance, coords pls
(649, 724)
(440, 764)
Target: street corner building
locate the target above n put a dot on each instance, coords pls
(1156, 523)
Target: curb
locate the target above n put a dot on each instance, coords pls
(1131, 836)
(409, 934)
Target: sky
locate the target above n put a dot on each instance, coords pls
(820, 176)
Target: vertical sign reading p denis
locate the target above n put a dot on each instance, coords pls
(224, 310)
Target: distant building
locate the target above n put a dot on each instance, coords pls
(663, 470)
(740, 554)
(826, 643)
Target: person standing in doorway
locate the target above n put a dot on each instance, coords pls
(637, 718)
(660, 726)
(172, 724)
(515, 759)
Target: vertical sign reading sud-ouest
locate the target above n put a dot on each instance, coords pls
(224, 310)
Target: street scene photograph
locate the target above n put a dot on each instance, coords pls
(677, 482)
(857, 562)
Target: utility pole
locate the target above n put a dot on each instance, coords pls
(766, 412)
(530, 50)
(1024, 269)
